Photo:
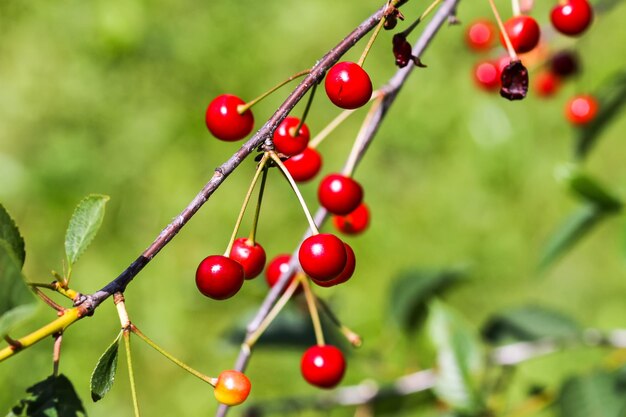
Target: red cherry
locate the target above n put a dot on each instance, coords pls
(581, 110)
(322, 256)
(219, 277)
(344, 275)
(524, 33)
(564, 63)
(480, 35)
(487, 75)
(225, 122)
(323, 366)
(232, 388)
(305, 165)
(339, 194)
(348, 86)
(354, 222)
(276, 267)
(284, 140)
(572, 18)
(546, 83)
(250, 256)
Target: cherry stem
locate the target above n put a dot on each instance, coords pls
(353, 158)
(280, 304)
(507, 40)
(47, 299)
(406, 32)
(295, 132)
(169, 356)
(315, 317)
(370, 42)
(257, 211)
(352, 337)
(15, 344)
(516, 7)
(296, 190)
(56, 353)
(131, 373)
(246, 200)
(56, 286)
(245, 107)
(330, 127)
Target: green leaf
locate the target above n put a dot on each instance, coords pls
(10, 234)
(413, 289)
(460, 359)
(611, 97)
(84, 225)
(589, 189)
(17, 302)
(529, 323)
(575, 227)
(52, 397)
(103, 374)
(595, 395)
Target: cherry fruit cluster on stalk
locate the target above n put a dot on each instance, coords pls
(522, 36)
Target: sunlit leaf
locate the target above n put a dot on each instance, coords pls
(575, 227)
(460, 359)
(611, 97)
(529, 323)
(52, 397)
(84, 225)
(10, 234)
(595, 395)
(17, 302)
(413, 289)
(103, 374)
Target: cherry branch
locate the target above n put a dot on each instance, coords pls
(316, 74)
(389, 91)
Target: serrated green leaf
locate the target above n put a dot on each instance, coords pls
(11, 234)
(460, 359)
(529, 323)
(84, 225)
(17, 302)
(575, 227)
(595, 395)
(413, 289)
(611, 97)
(103, 374)
(52, 397)
(589, 189)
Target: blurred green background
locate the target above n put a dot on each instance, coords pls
(109, 97)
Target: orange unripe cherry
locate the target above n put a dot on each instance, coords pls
(232, 388)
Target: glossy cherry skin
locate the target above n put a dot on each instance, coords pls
(572, 18)
(487, 75)
(323, 366)
(250, 256)
(344, 275)
(286, 141)
(339, 194)
(219, 277)
(348, 86)
(354, 222)
(480, 35)
(524, 33)
(546, 83)
(581, 110)
(232, 388)
(225, 122)
(322, 256)
(305, 165)
(276, 268)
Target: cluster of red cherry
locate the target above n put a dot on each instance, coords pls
(569, 17)
(323, 257)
